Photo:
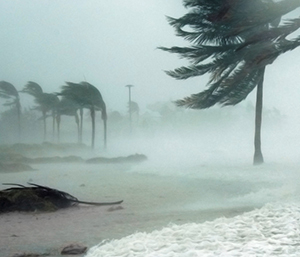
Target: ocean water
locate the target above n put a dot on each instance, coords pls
(214, 171)
(272, 230)
(226, 178)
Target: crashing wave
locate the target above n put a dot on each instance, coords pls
(273, 230)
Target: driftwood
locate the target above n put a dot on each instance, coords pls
(74, 249)
(39, 198)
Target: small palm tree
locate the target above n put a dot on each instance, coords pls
(8, 91)
(87, 96)
(45, 102)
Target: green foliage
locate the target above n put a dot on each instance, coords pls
(84, 94)
(233, 41)
(7, 90)
(45, 101)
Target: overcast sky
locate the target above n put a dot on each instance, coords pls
(112, 43)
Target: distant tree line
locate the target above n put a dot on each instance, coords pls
(71, 100)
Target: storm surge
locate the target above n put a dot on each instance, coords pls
(273, 230)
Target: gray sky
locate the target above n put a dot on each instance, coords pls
(112, 43)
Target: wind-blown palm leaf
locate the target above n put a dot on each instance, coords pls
(33, 89)
(258, 50)
(233, 41)
(86, 96)
(228, 19)
(7, 90)
(45, 102)
(39, 198)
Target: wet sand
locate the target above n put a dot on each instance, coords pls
(150, 202)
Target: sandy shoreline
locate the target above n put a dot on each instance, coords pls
(150, 202)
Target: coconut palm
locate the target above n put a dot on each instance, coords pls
(87, 96)
(8, 91)
(45, 102)
(233, 41)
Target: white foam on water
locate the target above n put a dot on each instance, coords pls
(273, 230)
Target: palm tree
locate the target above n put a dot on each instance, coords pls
(87, 96)
(8, 91)
(45, 102)
(67, 107)
(233, 41)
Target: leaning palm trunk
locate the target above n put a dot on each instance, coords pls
(53, 124)
(58, 128)
(81, 125)
(19, 118)
(105, 132)
(45, 125)
(258, 157)
(78, 127)
(8, 91)
(93, 125)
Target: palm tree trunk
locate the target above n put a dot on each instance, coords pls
(105, 133)
(53, 125)
(81, 124)
(93, 125)
(258, 157)
(58, 117)
(45, 125)
(78, 128)
(19, 119)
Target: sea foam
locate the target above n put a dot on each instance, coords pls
(272, 230)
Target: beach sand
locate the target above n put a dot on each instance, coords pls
(151, 202)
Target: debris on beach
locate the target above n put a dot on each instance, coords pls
(39, 198)
(73, 249)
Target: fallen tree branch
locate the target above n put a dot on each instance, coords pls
(39, 198)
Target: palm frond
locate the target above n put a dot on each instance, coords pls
(33, 89)
(7, 90)
(231, 88)
(94, 96)
(199, 53)
(84, 94)
(190, 71)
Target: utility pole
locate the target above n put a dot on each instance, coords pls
(129, 107)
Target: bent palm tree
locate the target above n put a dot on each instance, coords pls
(234, 41)
(87, 96)
(45, 102)
(8, 91)
(67, 107)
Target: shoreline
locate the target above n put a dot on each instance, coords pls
(151, 202)
(49, 232)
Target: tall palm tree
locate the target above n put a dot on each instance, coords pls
(8, 91)
(87, 96)
(234, 41)
(45, 102)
